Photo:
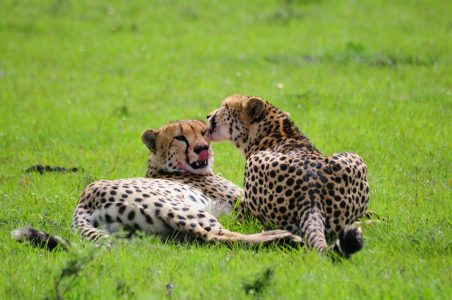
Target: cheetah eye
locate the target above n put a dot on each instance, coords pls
(180, 138)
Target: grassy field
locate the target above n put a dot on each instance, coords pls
(80, 81)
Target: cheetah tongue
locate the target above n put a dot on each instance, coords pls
(203, 155)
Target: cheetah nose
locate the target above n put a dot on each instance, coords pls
(200, 148)
(202, 151)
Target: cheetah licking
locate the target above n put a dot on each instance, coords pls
(180, 196)
(288, 182)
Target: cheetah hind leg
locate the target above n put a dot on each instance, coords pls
(206, 227)
(264, 238)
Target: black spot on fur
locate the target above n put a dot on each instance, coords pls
(122, 209)
(108, 218)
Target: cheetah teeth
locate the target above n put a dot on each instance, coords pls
(199, 164)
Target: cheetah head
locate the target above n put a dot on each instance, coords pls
(248, 121)
(179, 147)
(239, 120)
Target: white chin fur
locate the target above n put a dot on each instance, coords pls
(205, 170)
(220, 134)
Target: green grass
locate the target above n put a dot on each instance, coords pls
(80, 80)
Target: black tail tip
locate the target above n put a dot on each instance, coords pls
(38, 238)
(351, 241)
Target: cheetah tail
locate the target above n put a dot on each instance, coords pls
(350, 241)
(39, 239)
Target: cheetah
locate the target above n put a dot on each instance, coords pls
(180, 196)
(288, 182)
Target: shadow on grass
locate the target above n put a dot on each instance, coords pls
(289, 10)
(260, 284)
(71, 270)
(352, 53)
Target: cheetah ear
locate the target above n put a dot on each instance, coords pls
(148, 137)
(254, 107)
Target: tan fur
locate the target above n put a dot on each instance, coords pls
(288, 182)
(180, 195)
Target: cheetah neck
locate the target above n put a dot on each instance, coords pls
(276, 130)
(213, 186)
(153, 170)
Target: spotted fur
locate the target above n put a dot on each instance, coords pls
(180, 196)
(288, 181)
